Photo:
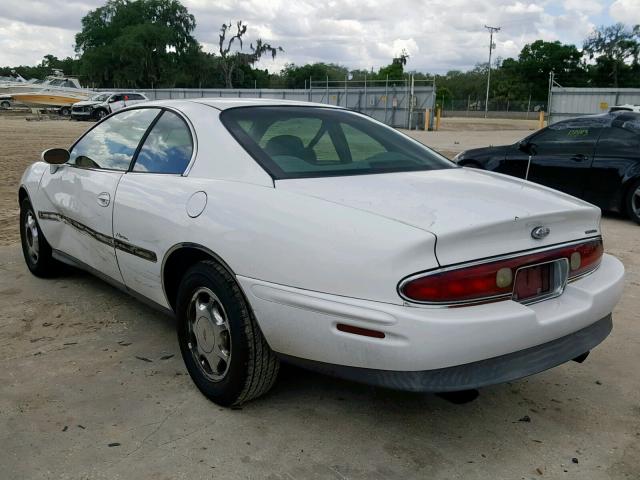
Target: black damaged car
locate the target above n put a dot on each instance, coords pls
(596, 158)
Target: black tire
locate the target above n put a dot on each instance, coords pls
(632, 202)
(252, 367)
(65, 111)
(42, 263)
(5, 104)
(100, 113)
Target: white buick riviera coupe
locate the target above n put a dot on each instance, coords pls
(298, 232)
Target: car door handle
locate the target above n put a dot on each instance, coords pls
(104, 199)
(579, 158)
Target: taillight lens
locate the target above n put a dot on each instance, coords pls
(492, 281)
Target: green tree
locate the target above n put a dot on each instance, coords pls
(231, 61)
(395, 70)
(614, 48)
(299, 76)
(537, 59)
(136, 43)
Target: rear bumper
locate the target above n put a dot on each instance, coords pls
(504, 368)
(303, 324)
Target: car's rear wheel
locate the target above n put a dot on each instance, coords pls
(35, 248)
(222, 346)
(633, 202)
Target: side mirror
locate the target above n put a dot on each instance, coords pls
(524, 146)
(55, 156)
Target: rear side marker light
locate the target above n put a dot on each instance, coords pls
(494, 280)
(365, 332)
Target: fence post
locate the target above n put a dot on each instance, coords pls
(346, 104)
(411, 103)
(364, 110)
(438, 113)
(386, 98)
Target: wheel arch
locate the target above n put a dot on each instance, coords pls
(22, 194)
(626, 190)
(178, 260)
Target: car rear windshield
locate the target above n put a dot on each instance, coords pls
(302, 142)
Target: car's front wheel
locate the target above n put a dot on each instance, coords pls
(100, 113)
(633, 202)
(35, 248)
(222, 346)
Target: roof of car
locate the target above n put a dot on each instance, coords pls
(609, 119)
(225, 103)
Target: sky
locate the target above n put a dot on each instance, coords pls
(439, 35)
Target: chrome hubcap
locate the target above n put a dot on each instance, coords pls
(209, 338)
(31, 236)
(635, 202)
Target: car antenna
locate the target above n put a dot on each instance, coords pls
(526, 176)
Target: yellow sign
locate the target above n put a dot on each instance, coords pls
(604, 105)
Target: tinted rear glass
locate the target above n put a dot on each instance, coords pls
(300, 142)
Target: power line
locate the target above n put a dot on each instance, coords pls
(492, 30)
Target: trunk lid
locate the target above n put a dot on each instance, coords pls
(473, 213)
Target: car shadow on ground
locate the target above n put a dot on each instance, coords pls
(296, 385)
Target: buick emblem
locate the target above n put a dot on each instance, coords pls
(540, 232)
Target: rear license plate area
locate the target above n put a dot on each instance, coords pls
(541, 281)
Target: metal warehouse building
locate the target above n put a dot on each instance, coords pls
(567, 102)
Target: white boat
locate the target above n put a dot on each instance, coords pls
(57, 91)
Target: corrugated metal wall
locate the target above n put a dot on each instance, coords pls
(574, 102)
(390, 105)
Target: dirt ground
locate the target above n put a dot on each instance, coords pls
(92, 386)
(21, 144)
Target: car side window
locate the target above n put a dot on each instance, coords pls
(618, 139)
(111, 144)
(566, 138)
(167, 148)
(361, 145)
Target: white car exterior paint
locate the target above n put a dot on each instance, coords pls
(310, 253)
(474, 213)
(115, 101)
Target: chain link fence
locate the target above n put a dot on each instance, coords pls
(397, 103)
(499, 108)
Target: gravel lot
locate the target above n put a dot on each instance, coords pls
(92, 385)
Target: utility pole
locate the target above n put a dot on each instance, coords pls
(491, 32)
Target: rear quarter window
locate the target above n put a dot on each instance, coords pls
(301, 142)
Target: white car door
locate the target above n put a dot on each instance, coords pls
(116, 102)
(134, 98)
(155, 184)
(75, 201)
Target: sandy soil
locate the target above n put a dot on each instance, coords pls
(92, 386)
(21, 144)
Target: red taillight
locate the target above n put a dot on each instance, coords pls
(494, 280)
